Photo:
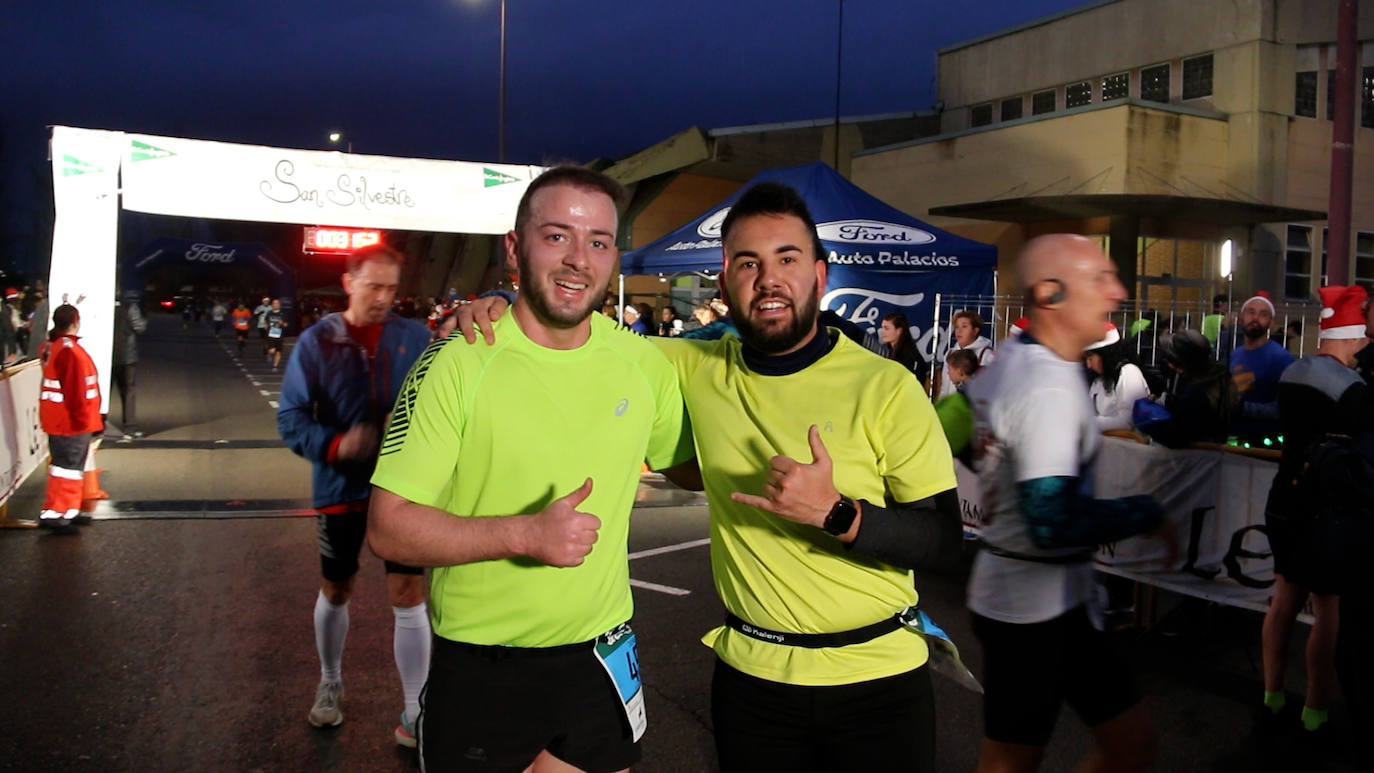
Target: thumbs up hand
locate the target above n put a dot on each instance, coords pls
(562, 535)
(802, 493)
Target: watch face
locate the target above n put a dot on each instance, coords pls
(841, 517)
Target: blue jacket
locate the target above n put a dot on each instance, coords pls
(331, 385)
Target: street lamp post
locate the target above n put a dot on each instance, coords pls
(501, 110)
(336, 136)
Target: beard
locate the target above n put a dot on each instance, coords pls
(1255, 331)
(778, 337)
(538, 293)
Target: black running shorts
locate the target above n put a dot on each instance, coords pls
(341, 537)
(1308, 552)
(496, 708)
(1029, 669)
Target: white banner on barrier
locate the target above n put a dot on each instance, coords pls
(196, 178)
(85, 179)
(24, 445)
(1213, 499)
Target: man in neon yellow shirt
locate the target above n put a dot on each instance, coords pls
(829, 479)
(512, 471)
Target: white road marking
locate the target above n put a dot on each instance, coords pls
(696, 543)
(265, 393)
(668, 589)
(272, 403)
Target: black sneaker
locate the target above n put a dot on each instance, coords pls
(84, 519)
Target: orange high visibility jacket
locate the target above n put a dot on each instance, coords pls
(69, 403)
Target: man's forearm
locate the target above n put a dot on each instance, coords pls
(416, 535)
(924, 534)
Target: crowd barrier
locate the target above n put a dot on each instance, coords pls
(23, 444)
(1214, 497)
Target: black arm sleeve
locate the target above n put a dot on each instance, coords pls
(925, 534)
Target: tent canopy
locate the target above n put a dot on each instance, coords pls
(858, 229)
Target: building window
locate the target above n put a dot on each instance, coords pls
(1297, 263)
(1043, 102)
(1154, 83)
(1364, 259)
(981, 115)
(1116, 86)
(1011, 109)
(1326, 239)
(1197, 77)
(1330, 95)
(1305, 95)
(1078, 94)
(1367, 98)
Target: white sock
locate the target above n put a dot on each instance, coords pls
(331, 629)
(411, 645)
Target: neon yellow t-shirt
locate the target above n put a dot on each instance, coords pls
(886, 443)
(505, 430)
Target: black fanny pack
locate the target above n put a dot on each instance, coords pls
(1071, 558)
(817, 640)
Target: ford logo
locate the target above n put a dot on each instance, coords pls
(872, 232)
(710, 227)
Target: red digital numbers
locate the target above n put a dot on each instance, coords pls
(319, 239)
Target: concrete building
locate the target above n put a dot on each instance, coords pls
(1164, 127)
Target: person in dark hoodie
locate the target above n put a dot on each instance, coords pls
(1202, 400)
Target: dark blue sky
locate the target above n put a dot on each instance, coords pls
(419, 77)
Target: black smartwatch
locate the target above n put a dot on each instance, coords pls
(841, 517)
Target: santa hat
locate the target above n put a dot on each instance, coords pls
(1263, 297)
(1342, 312)
(10, 292)
(1110, 338)
(630, 310)
(1018, 327)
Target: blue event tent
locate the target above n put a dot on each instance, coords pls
(881, 259)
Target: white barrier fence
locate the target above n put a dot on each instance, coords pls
(1214, 499)
(23, 444)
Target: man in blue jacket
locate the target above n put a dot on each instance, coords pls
(340, 384)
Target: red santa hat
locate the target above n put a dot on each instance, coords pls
(1261, 296)
(1342, 312)
(10, 292)
(1110, 338)
(1018, 327)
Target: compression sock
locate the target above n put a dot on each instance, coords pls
(331, 629)
(1274, 700)
(1313, 718)
(411, 646)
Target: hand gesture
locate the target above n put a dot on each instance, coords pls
(562, 535)
(803, 493)
(479, 315)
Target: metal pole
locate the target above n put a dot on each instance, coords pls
(1342, 145)
(501, 111)
(620, 308)
(934, 347)
(839, 68)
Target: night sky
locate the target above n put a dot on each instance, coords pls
(419, 77)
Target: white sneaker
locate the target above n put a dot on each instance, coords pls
(326, 711)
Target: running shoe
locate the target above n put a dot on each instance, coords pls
(326, 711)
(405, 733)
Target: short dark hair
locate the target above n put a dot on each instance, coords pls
(963, 359)
(575, 176)
(1219, 299)
(63, 317)
(970, 315)
(770, 198)
(358, 257)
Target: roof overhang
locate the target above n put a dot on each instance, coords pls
(1035, 209)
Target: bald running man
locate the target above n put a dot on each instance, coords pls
(1029, 591)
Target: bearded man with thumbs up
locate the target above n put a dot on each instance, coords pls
(512, 470)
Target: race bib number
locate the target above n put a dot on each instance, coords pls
(274, 332)
(619, 655)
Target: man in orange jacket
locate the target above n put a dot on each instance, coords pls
(69, 409)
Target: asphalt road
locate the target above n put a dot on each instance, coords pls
(175, 633)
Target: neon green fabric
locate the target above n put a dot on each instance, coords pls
(506, 429)
(885, 441)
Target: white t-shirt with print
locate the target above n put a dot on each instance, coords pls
(1033, 419)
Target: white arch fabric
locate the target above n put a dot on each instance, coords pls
(196, 178)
